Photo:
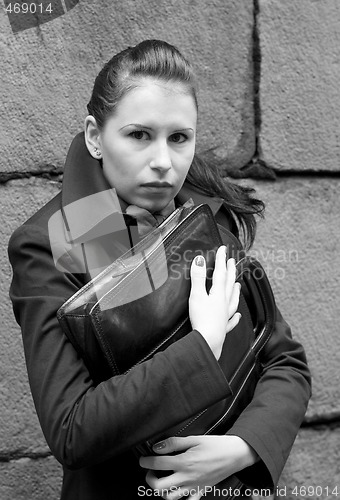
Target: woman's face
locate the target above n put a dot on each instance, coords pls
(148, 144)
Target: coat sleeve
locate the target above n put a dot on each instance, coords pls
(271, 421)
(85, 424)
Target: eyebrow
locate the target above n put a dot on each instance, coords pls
(150, 128)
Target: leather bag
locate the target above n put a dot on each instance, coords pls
(139, 305)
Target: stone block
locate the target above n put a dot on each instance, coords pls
(299, 88)
(48, 73)
(312, 470)
(299, 245)
(24, 479)
(19, 430)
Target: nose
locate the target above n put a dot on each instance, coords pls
(161, 158)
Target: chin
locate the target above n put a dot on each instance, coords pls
(156, 207)
(153, 205)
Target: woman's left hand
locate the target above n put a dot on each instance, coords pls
(200, 461)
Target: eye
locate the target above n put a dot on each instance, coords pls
(139, 135)
(178, 138)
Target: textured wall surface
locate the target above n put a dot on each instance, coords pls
(299, 246)
(300, 91)
(269, 100)
(312, 470)
(48, 73)
(26, 471)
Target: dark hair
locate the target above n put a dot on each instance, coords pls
(149, 59)
(159, 60)
(238, 200)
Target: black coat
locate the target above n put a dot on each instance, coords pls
(91, 428)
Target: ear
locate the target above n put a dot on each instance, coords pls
(92, 137)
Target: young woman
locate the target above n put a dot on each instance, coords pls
(139, 143)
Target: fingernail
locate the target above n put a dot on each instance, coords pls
(199, 261)
(159, 446)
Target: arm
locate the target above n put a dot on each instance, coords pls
(258, 444)
(85, 424)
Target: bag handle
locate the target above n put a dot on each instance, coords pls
(259, 297)
(255, 288)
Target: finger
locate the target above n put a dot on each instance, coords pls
(219, 274)
(154, 482)
(234, 299)
(151, 479)
(231, 277)
(167, 462)
(163, 483)
(174, 444)
(234, 321)
(198, 275)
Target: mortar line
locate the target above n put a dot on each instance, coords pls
(12, 456)
(44, 172)
(256, 60)
(307, 173)
(55, 174)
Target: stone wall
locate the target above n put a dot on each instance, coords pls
(269, 104)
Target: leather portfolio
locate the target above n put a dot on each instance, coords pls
(139, 305)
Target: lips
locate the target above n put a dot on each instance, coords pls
(157, 185)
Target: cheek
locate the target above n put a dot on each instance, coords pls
(116, 165)
(125, 160)
(112, 157)
(187, 160)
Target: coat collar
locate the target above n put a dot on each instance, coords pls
(83, 178)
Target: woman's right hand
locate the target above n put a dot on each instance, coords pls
(214, 314)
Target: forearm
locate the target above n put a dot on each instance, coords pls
(271, 421)
(128, 409)
(84, 422)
